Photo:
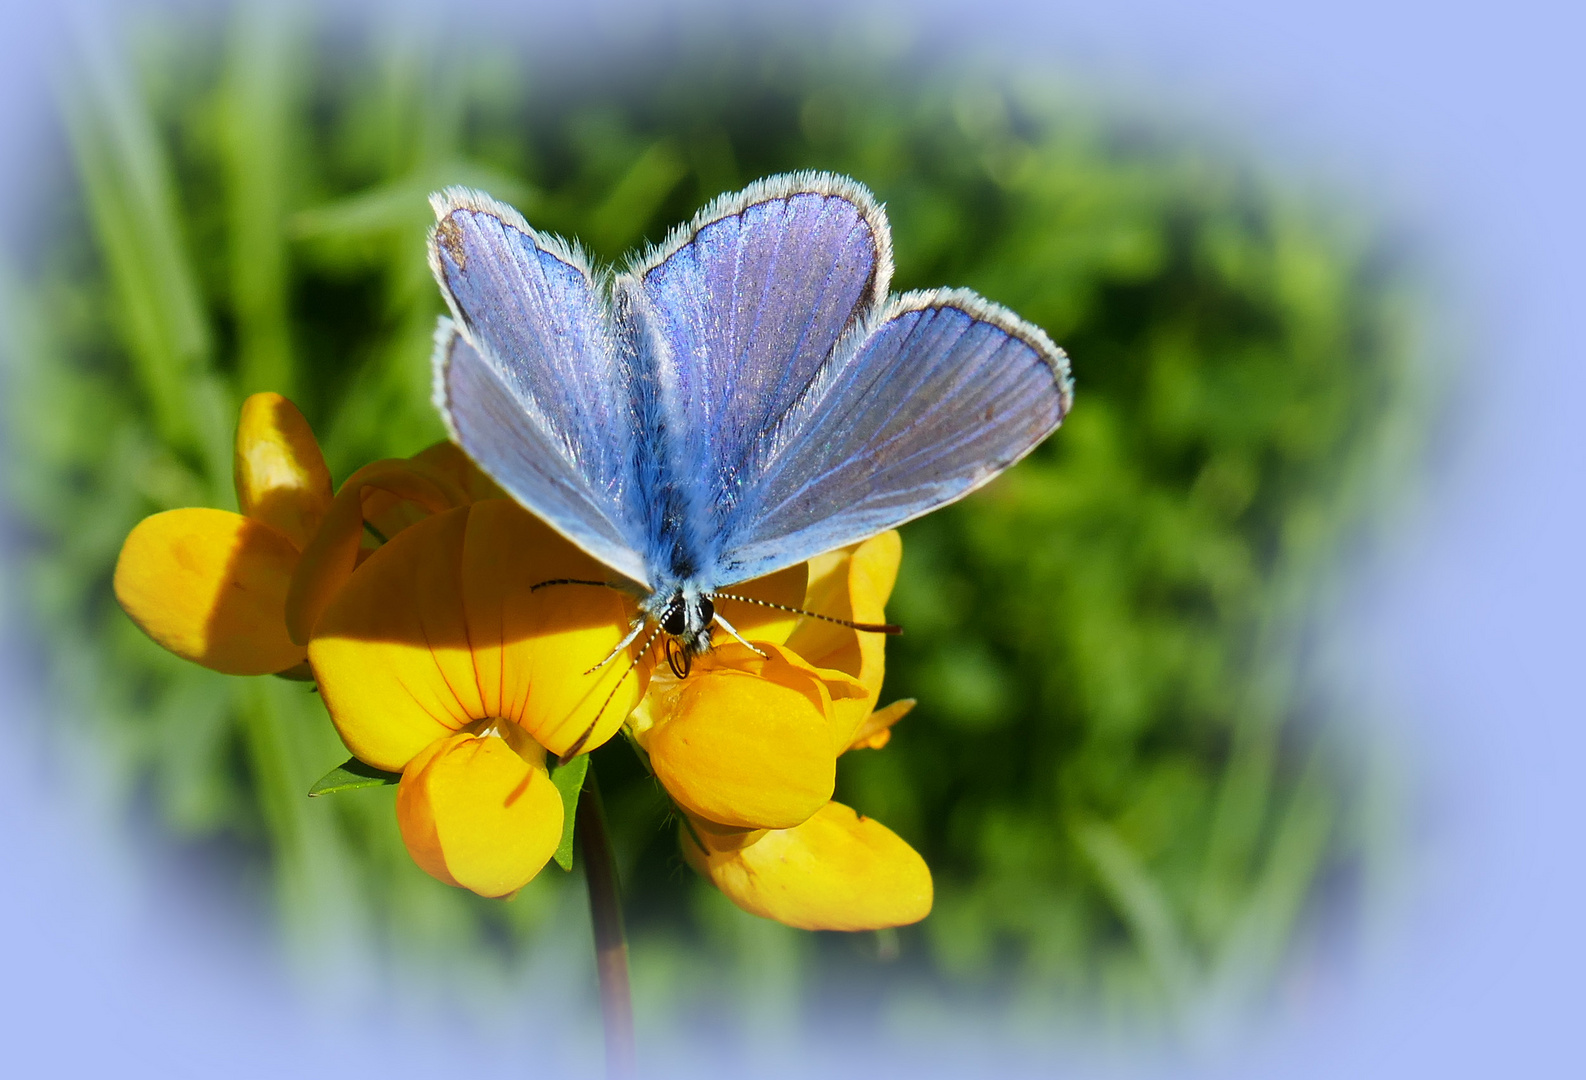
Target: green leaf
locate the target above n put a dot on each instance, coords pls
(352, 774)
(569, 780)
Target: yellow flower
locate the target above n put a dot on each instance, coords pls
(836, 870)
(438, 658)
(747, 747)
(210, 585)
(238, 593)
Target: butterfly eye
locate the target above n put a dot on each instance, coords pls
(676, 620)
(707, 611)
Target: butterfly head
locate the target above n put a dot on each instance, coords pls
(684, 615)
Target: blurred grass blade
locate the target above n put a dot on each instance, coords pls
(1255, 947)
(1141, 903)
(402, 203)
(315, 873)
(260, 106)
(132, 202)
(620, 220)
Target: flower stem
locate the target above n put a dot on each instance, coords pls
(611, 946)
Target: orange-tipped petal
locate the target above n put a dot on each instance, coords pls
(766, 621)
(279, 471)
(836, 871)
(210, 586)
(851, 583)
(745, 741)
(332, 555)
(480, 811)
(533, 648)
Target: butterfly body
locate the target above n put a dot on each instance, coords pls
(740, 398)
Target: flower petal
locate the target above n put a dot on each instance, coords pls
(836, 871)
(852, 583)
(533, 648)
(758, 622)
(442, 626)
(445, 466)
(210, 586)
(279, 471)
(391, 651)
(330, 558)
(876, 731)
(480, 811)
(745, 741)
(448, 459)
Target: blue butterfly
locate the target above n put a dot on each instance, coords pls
(736, 400)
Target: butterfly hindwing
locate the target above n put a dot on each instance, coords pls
(738, 313)
(530, 379)
(933, 398)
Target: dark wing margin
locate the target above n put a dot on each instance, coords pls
(528, 376)
(932, 398)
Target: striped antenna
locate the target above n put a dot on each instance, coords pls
(869, 628)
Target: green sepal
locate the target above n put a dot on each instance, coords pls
(569, 780)
(349, 775)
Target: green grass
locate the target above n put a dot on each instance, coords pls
(1119, 773)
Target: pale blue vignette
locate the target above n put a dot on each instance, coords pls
(1466, 118)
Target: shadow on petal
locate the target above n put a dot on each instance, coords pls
(210, 586)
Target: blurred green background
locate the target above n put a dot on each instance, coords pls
(1144, 813)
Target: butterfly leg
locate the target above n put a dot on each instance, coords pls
(633, 632)
(727, 626)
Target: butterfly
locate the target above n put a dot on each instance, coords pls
(735, 400)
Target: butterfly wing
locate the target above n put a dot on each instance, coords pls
(736, 313)
(529, 377)
(931, 399)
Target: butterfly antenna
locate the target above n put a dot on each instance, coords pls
(570, 581)
(733, 630)
(869, 628)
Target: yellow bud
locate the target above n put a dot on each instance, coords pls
(279, 471)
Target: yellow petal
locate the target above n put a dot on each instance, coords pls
(330, 558)
(210, 586)
(851, 583)
(448, 459)
(441, 627)
(391, 651)
(480, 811)
(444, 465)
(533, 648)
(876, 731)
(766, 621)
(280, 474)
(745, 741)
(836, 871)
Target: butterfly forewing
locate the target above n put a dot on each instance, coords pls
(531, 382)
(940, 394)
(739, 313)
